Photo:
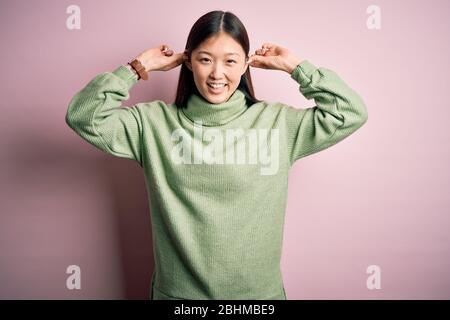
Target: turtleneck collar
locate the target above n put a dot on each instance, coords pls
(210, 114)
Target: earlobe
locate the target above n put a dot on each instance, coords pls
(245, 69)
(188, 64)
(247, 65)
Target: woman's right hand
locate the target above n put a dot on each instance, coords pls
(160, 58)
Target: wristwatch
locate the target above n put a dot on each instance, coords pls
(127, 65)
(139, 68)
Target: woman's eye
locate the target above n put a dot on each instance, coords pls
(206, 59)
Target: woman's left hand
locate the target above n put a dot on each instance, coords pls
(272, 56)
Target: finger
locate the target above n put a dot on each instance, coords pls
(257, 64)
(178, 58)
(258, 61)
(254, 58)
(166, 51)
(268, 45)
(269, 48)
(255, 61)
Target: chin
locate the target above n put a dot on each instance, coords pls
(216, 98)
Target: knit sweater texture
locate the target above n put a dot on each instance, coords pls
(216, 174)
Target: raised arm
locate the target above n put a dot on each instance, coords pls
(339, 111)
(96, 113)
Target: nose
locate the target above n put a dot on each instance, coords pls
(217, 71)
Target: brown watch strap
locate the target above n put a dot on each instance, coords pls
(136, 65)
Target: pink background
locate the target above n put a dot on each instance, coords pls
(380, 197)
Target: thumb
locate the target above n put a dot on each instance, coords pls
(256, 61)
(252, 59)
(179, 57)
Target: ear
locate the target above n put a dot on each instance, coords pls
(245, 67)
(188, 64)
(187, 61)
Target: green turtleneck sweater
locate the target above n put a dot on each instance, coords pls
(216, 174)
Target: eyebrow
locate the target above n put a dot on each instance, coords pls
(228, 54)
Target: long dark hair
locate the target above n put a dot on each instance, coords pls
(207, 26)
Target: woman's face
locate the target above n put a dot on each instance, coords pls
(221, 60)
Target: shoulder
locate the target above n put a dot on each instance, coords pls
(155, 106)
(155, 110)
(272, 107)
(266, 104)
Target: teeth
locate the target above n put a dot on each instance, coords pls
(216, 85)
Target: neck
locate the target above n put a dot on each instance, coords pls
(212, 114)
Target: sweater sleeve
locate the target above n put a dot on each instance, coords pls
(339, 111)
(96, 114)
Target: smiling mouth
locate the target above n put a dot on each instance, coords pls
(216, 86)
